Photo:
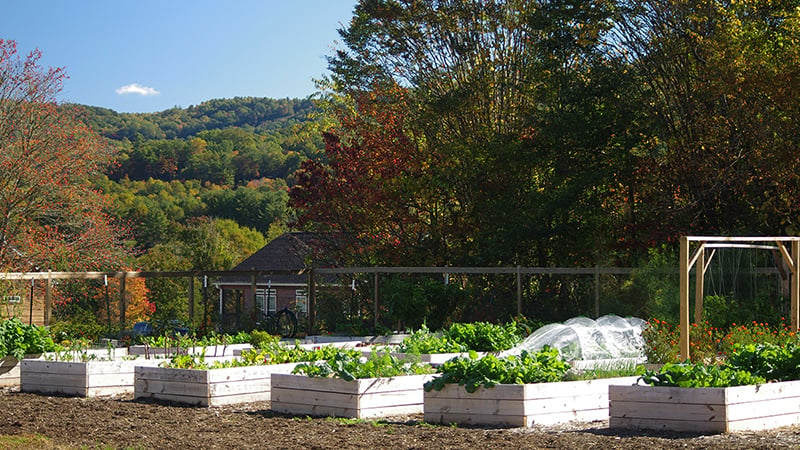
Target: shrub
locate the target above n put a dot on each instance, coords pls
(18, 339)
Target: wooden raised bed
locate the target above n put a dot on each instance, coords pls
(211, 387)
(84, 379)
(358, 399)
(706, 410)
(522, 405)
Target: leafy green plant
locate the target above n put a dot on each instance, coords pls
(473, 372)
(18, 339)
(261, 339)
(770, 361)
(462, 337)
(348, 366)
(484, 336)
(423, 341)
(187, 362)
(700, 375)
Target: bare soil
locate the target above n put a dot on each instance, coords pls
(70, 422)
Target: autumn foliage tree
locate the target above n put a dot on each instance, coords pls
(373, 191)
(50, 217)
(722, 83)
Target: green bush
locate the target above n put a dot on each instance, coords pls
(18, 339)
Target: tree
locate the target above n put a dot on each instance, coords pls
(720, 154)
(50, 218)
(219, 244)
(495, 108)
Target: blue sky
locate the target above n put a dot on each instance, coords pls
(148, 56)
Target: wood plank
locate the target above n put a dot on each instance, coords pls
(769, 407)
(390, 399)
(171, 374)
(566, 388)
(185, 399)
(568, 403)
(762, 392)
(668, 411)
(52, 389)
(478, 419)
(667, 425)
(59, 367)
(477, 406)
(765, 423)
(498, 392)
(178, 388)
(283, 394)
(240, 387)
(248, 373)
(302, 382)
(249, 397)
(46, 378)
(361, 386)
(387, 411)
(108, 391)
(667, 394)
(110, 379)
(313, 410)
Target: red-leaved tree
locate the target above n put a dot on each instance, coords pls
(50, 217)
(370, 192)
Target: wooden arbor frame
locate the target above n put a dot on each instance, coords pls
(697, 256)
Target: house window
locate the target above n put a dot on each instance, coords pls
(267, 300)
(301, 300)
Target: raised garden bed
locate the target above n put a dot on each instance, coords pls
(84, 379)
(358, 399)
(522, 405)
(211, 387)
(705, 410)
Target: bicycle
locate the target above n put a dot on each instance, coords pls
(283, 323)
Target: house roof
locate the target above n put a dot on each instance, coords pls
(288, 252)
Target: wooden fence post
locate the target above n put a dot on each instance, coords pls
(375, 298)
(122, 303)
(596, 291)
(311, 298)
(191, 300)
(48, 298)
(519, 291)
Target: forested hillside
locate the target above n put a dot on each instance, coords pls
(223, 159)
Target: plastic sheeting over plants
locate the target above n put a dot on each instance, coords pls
(581, 338)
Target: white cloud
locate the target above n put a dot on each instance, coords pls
(136, 89)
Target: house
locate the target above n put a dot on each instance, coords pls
(280, 281)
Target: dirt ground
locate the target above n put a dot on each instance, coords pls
(125, 423)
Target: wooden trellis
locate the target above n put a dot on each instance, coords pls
(690, 258)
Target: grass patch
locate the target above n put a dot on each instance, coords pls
(25, 441)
